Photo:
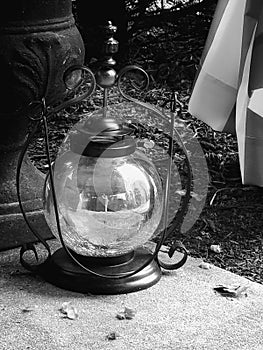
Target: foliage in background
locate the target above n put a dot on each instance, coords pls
(145, 13)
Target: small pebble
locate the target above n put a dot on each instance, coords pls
(205, 265)
(216, 248)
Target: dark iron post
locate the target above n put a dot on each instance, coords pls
(38, 42)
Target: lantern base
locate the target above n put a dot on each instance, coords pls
(63, 272)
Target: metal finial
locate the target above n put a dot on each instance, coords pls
(110, 45)
(106, 74)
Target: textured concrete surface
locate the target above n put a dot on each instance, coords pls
(182, 311)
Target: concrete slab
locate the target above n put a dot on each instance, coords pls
(181, 311)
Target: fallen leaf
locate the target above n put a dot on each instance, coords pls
(112, 336)
(233, 291)
(64, 307)
(205, 265)
(69, 310)
(28, 309)
(120, 315)
(72, 313)
(126, 314)
(216, 248)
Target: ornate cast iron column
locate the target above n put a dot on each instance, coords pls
(38, 42)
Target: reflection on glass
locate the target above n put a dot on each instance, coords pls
(107, 206)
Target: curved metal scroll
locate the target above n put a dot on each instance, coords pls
(177, 245)
(76, 79)
(134, 82)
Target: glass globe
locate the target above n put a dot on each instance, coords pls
(108, 205)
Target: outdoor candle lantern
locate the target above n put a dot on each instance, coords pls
(104, 198)
(109, 194)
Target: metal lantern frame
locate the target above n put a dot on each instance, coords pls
(81, 83)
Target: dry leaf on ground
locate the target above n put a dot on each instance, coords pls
(28, 309)
(126, 314)
(233, 291)
(216, 248)
(112, 336)
(69, 310)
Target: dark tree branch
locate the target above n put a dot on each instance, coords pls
(178, 11)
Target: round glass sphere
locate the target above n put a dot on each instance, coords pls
(107, 206)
